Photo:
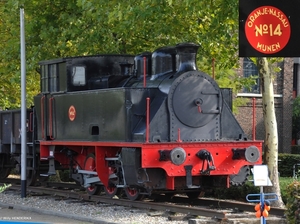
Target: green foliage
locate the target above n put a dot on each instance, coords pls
(296, 118)
(296, 107)
(286, 162)
(240, 192)
(284, 182)
(4, 187)
(56, 28)
(236, 193)
(228, 78)
(65, 176)
(10, 89)
(293, 202)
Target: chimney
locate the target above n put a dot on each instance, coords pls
(186, 56)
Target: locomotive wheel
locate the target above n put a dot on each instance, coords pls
(111, 191)
(31, 175)
(133, 193)
(90, 165)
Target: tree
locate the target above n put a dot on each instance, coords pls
(60, 28)
(10, 60)
(270, 123)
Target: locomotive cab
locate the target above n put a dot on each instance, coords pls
(62, 80)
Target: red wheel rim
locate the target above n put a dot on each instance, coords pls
(90, 188)
(110, 190)
(91, 166)
(132, 191)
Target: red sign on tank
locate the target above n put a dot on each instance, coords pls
(72, 113)
(267, 29)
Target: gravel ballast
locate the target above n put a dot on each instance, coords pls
(85, 211)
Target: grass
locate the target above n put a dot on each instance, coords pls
(284, 182)
(2, 188)
(239, 193)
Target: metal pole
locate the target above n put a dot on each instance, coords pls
(253, 119)
(262, 205)
(23, 107)
(145, 71)
(147, 118)
(213, 68)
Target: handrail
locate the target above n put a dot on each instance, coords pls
(253, 119)
(147, 119)
(145, 71)
(30, 126)
(42, 116)
(51, 118)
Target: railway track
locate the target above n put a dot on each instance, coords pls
(82, 196)
(235, 205)
(203, 207)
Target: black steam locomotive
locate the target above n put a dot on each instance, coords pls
(144, 124)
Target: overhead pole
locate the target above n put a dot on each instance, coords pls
(23, 106)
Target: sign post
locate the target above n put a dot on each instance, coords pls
(261, 179)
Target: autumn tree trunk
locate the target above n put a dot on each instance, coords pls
(271, 133)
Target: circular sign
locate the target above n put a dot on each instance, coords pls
(72, 113)
(267, 29)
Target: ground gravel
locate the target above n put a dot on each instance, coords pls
(106, 212)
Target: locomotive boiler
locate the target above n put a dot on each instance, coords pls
(143, 124)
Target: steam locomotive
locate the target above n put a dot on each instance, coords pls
(144, 124)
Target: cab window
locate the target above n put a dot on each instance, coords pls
(78, 76)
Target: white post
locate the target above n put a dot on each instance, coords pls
(23, 107)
